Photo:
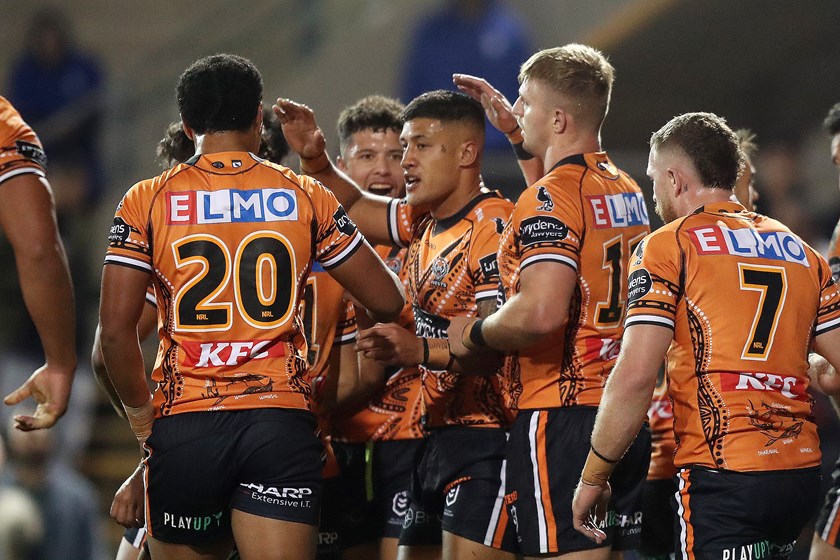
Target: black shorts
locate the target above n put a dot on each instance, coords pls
(329, 526)
(265, 462)
(374, 488)
(458, 487)
(658, 517)
(828, 522)
(546, 454)
(136, 537)
(725, 515)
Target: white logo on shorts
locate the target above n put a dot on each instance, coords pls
(400, 503)
(452, 495)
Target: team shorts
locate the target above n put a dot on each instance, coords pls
(828, 522)
(458, 487)
(200, 465)
(136, 537)
(374, 488)
(658, 518)
(545, 456)
(729, 515)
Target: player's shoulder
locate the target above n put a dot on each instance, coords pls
(15, 132)
(491, 205)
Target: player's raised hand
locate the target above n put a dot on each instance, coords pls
(300, 129)
(50, 387)
(498, 109)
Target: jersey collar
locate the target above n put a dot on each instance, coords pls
(224, 163)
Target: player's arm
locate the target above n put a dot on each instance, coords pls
(147, 324)
(369, 212)
(27, 215)
(827, 345)
(499, 112)
(622, 412)
(526, 318)
(375, 287)
(120, 308)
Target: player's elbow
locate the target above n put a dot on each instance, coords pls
(389, 304)
(542, 321)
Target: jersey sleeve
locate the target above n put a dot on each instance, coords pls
(336, 236)
(549, 225)
(20, 149)
(484, 268)
(403, 221)
(128, 240)
(828, 314)
(653, 285)
(346, 328)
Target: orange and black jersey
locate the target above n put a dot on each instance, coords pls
(834, 254)
(451, 268)
(588, 215)
(744, 297)
(662, 443)
(394, 411)
(20, 149)
(230, 240)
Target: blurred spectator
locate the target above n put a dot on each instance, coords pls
(59, 91)
(66, 501)
(479, 37)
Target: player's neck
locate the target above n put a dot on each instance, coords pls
(225, 141)
(460, 197)
(560, 150)
(705, 196)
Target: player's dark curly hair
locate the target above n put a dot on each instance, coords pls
(446, 106)
(220, 92)
(831, 124)
(176, 147)
(710, 144)
(375, 112)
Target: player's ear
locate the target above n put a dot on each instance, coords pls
(561, 121)
(339, 162)
(678, 180)
(470, 153)
(187, 130)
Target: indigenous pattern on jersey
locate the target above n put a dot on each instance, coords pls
(20, 149)
(451, 269)
(834, 254)
(230, 240)
(394, 411)
(744, 296)
(328, 320)
(588, 215)
(662, 443)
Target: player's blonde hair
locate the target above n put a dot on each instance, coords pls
(579, 74)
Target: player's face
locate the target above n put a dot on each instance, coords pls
(430, 160)
(663, 190)
(745, 187)
(372, 159)
(835, 150)
(533, 114)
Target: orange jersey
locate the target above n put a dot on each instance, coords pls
(328, 320)
(20, 149)
(661, 419)
(744, 296)
(834, 253)
(588, 215)
(230, 240)
(394, 411)
(452, 267)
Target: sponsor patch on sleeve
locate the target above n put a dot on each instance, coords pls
(638, 285)
(542, 229)
(489, 265)
(119, 231)
(32, 151)
(343, 222)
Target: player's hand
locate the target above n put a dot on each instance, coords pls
(589, 510)
(300, 129)
(128, 507)
(390, 345)
(498, 109)
(50, 387)
(457, 331)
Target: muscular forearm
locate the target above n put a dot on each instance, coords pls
(48, 293)
(622, 412)
(518, 324)
(322, 168)
(97, 363)
(124, 363)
